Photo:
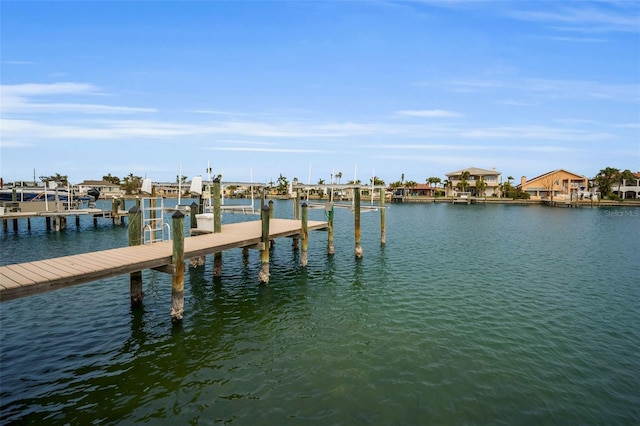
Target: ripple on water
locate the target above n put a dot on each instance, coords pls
(469, 314)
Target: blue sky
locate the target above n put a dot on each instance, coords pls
(418, 88)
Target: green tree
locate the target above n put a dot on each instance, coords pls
(283, 185)
(60, 179)
(433, 180)
(111, 179)
(376, 181)
(339, 176)
(481, 185)
(605, 180)
(625, 175)
(132, 184)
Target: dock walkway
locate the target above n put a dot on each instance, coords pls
(24, 279)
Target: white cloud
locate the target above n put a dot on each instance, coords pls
(429, 113)
(18, 99)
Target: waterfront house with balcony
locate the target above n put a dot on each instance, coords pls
(557, 184)
(630, 188)
(491, 180)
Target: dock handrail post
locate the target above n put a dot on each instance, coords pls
(356, 215)
(135, 239)
(177, 259)
(263, 276)
(383, 213)
(329, 210)
(270, 209)
(304, 253)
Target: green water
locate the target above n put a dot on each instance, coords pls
(468, 315)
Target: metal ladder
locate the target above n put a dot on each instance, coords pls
(154, 228)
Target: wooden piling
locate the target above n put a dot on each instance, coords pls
(14, 200)
(217, 225)
(194, 262)
(115, 203)
(296, 216)
(329, 216)
(356, 215)
(135, 239)
(217, 208)
(304, 253)
(177, 259)
(263, 276)
(383, 214)
(193, 220)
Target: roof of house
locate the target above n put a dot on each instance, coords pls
(97, 183)
(550, 174)
(474, 171)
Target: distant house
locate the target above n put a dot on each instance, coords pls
(556, 184)
(491, 180)
(630, 188)
(420, 190)
(107, 189)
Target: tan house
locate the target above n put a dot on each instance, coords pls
(491, 180)
(557, 184)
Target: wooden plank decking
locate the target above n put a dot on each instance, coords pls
(24, 279)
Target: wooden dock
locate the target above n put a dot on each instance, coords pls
(24, 279)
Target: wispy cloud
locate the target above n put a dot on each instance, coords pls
(429, 113)
(261, 149)
(536, 89)
(19, 98)
(535, 132)
(587, 18)
(477, 148)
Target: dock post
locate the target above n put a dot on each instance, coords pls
(383, 213)
(47, 221)
(193, 220)
(14, 200)
(135, 239)
(296, 216)
(270, 209)
(29, 224)
(177, 259)
(217, 225)
(304, 254)
(193, 224)
(356, 215)
(263, 275)
(77, 221)
(114, 210)
(328, 210)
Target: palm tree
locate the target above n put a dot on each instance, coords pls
(625, 175)
(464, 180)
(339, 176)
(480, 186)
